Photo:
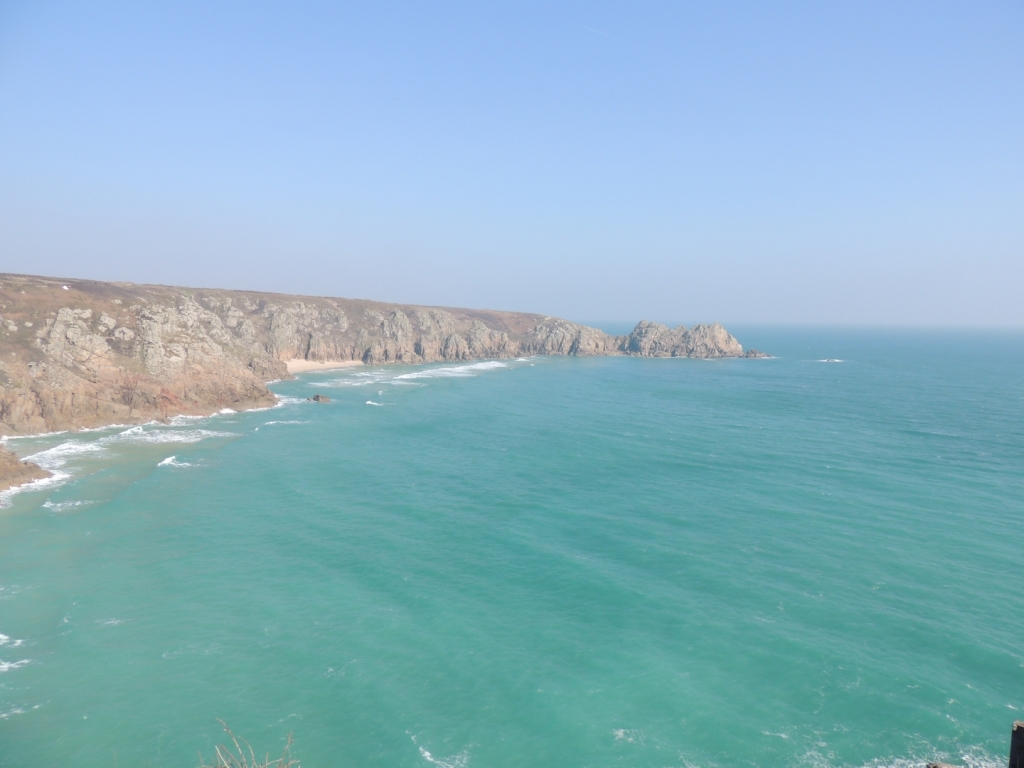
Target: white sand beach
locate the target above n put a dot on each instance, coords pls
(301, 366)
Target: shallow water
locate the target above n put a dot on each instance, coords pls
(572, 562)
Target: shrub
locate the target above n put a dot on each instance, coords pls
(226, 758)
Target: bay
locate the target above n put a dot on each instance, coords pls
(544, 561)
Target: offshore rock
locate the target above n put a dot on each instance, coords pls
(704, 341)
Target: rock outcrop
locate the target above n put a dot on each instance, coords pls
(79, 353)
(15, 472)
(657, 340)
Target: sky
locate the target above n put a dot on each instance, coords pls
(816, 163)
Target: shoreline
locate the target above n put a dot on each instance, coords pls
(74, 357)
(298, 365)
(18, 474)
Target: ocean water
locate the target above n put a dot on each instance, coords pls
(540, 562)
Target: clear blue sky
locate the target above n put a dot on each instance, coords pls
(821, 163)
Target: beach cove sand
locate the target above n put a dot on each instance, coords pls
(305, 366)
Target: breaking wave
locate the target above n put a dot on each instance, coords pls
(8, 666)
(62, 506)
(171, 461)
(57, 458)
(386, 376)
(140, 435)
(455, 371)
(459, 760)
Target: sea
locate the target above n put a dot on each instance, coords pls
(810, 560)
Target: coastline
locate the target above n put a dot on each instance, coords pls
(18, 474)
(83, 354)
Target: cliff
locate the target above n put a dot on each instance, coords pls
(81, 353)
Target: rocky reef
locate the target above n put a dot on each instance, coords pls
(81, 353)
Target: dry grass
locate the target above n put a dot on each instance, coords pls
(226, 758)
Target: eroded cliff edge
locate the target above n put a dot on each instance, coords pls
(81, 353)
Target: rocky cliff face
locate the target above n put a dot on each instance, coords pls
(78, 353)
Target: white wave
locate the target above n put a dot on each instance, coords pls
(8, 666)
(370, 402)
(63, 505)
(284, 422)
(140, 435)
(171, 461)
(5, 438)
(629, 736)
(283, 400)
(455, 371)
(184, 420)
(55, 459)
(5, 640)
(59, 455)
(110, 622)
(459, 760)
(830, 360)
(89, 430)
(385, 376)
(55, 479)
(354, 379)
(969, 757)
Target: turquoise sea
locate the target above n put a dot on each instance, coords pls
(540, 562)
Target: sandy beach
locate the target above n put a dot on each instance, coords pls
(301, 366)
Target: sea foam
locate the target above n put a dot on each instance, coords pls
(171, 461)
(56, 457)
(10, 666)
(56, 478)
(62, 506)
(456, 371)
(140, 435)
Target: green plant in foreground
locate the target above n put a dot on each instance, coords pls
(228, 759)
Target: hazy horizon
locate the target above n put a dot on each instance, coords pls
(797, 165)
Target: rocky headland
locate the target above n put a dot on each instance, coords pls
(79, 353)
